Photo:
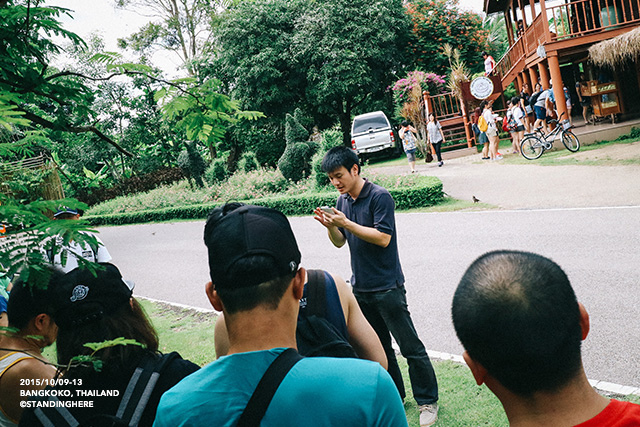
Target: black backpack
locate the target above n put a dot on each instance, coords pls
(315, 335)
(533, 99)
(132, 405)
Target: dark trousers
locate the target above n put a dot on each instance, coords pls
(438, 147)
(388, 314)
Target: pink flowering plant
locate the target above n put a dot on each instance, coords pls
(409, 89)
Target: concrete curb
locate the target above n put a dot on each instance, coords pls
(604, 386)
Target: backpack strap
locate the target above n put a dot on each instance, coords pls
(56, 416)
(267, 387)
(316, 293)
(140, 387)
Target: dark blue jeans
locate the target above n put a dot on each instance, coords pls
(388, 314)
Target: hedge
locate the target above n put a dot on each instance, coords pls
(427, 193)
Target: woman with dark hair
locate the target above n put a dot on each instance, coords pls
(481, 137)
(435, 136)
(100, 309)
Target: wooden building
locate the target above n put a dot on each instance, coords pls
(550, 40)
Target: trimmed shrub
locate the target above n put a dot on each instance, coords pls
(295, 161)
(248, 162)
(217, 171)
(192, 163)
(418, 192)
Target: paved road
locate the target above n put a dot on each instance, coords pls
(598, 248)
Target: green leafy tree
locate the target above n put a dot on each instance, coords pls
(438, 22)
(497, 40)
(180, 26)
(327, 57)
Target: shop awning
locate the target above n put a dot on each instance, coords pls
(616, 50)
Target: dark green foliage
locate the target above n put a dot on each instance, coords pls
(248, 162)
(191, 163)
(330, 138)
(328, 57)
(217, 171)
(427, 193)
(132, 185)
(295, 163)
(265, 137)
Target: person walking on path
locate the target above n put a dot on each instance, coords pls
(364, 218)
(408, 136)
(585, 101)
(492, 130)
(435, 136)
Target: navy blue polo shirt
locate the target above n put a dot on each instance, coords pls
(373, 267)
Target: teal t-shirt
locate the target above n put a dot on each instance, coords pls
(318, 391)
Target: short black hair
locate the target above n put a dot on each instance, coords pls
(267, 294)
(515, 100)
(405, 123)
(517, 315)
(483, 104)
(485, 54)
(27, 300)
(339, 156)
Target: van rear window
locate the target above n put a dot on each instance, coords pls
(368, 123)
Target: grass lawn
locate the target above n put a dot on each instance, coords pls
(462, 402)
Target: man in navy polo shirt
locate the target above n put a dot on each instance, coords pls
(364, 217)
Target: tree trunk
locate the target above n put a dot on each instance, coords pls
(344, 114)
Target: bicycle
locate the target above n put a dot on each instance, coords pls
(535, 143)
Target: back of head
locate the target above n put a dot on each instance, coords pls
(405, 123)
(515, 100)
(339, 156)
(100, 308)
(483, 105)
(517, 315)
(27, 300)
(253, 255)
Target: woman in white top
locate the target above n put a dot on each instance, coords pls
(516, 123)
(492, 131)
(435, 136)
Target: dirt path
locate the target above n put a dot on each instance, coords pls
(531, 186)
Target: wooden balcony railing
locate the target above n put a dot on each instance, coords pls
(445, 105)
(588, 16)
(511, 58)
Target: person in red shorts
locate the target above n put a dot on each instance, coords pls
(521, 325)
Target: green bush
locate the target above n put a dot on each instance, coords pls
(411, 192)
(191, 163)
(330, 138)
(248, 162)
(217, 171)
(295, 163)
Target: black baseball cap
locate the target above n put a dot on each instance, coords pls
(81, 297)
(241, 231)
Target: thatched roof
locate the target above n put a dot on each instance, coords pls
(616, 50)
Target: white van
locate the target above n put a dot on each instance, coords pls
(372, 133)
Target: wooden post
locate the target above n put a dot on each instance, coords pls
(558, 92)
(544, 75)
(518, 83)
(534, 78)
(545, 22)
(527, 80)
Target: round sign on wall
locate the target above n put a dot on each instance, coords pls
(481, 87)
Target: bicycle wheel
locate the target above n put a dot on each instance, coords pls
(531, 147)
(570, 141)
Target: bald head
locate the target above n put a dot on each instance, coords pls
(517, 315)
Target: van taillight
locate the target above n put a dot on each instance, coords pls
(393, 139)
(353, 144)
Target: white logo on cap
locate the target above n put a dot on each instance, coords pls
(80, 292)
(293, 265)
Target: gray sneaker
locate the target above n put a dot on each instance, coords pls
(428, 414)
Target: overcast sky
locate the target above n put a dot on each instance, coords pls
(103, 17)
